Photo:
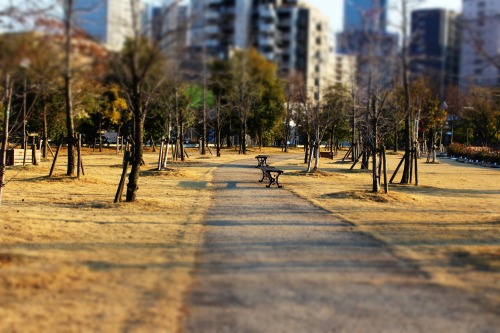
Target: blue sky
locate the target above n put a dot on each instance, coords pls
(334, 9)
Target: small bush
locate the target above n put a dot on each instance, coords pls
(484, 154)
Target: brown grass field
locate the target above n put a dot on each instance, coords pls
(72, 261)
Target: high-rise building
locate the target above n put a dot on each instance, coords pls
(341, 70)
(435, 46)
(364, 20)
(220, 26)
(107, 21)
(365, 15)
(292, 34)
(304, 45)
(167, 26)
(365, 36)
(480, 48)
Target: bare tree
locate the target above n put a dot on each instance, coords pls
(292, 85)
(69, 10)
(139, 71)
(404, 62)
(324, 114)
(6, 104)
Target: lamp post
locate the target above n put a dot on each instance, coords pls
(25, 64)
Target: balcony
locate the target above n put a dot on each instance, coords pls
(269, 55)
(285, 23)
(212, 43)
(267, 28)
(286, 38)
(267, 12)
(227, 11)
(213, 2)
(266, 41)
(212, 29)
(211, 15)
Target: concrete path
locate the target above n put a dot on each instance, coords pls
(273, 262)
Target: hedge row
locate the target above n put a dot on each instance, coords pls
(484, 154)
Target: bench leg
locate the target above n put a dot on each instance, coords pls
(277, 182)
(264, 174)
(273, 180)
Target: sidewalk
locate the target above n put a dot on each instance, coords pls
(273, 262)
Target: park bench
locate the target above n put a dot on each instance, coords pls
(272, 174)
(261, 160)
(268, 172)
(326, 154)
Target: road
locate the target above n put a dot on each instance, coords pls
(273, 262)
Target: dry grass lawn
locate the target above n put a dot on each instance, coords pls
(448, 225)
(72, 261)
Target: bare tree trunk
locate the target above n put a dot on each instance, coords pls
(310, 147)
(45, 136)
(167, 140)
(100, 133)
(70, 126)
(244, 136)
(181, 138)
(137, 153)
(5, 141)
(217, 137)
(316, 151)
(306, 148)
(375, 173)
(396, 139)
(204, 134)
(404, 62)
(287, 128)
(353, 134)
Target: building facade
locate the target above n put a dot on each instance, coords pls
(220, 26)
(341, 70)
(480, 49)
(167, 26)
(365, 36)
(435, 47)
(109, 22)
(290, 33)
(365, 15)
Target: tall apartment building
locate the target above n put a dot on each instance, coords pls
(107, 21)
(288, 32)
(341, 70)
(304, 45)
(220, 25)
(480, 50)
(365, 36)
(168, 25)
(435, 47)
(365, 15)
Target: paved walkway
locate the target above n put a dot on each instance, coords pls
(273, 262)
